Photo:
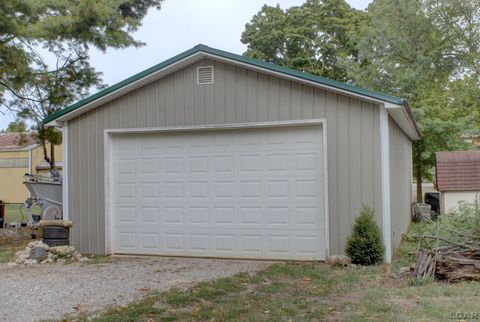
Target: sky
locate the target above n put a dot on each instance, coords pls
(179, 26)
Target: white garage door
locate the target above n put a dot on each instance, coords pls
(250, 193)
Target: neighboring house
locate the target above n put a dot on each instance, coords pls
(20, 154)
(215, 154)
(458, 178)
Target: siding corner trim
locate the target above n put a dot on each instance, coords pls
(385, 170)
(65, 170)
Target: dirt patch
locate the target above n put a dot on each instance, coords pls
(405, 304)
(13, 240)
(338, 303)
(12, 237)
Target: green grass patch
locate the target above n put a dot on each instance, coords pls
(15, 213)
(98, 259)
(6, 255)
(405, 254)
(426, 302)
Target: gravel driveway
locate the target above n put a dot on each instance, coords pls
(50, 291)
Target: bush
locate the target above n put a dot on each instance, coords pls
(456, 226)
(365, 246)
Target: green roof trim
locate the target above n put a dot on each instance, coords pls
(220, 53)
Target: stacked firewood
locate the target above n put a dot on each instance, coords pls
(454, 262)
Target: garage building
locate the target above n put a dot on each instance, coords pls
(219, 155)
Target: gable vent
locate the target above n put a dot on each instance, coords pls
(205, 75)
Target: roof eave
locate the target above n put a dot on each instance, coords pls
(403, 116)
(457, 189)
(19, 149)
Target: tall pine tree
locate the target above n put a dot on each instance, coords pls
(33, 32)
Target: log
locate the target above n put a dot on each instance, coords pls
(424, 265)
(56, 223)
(456, 269)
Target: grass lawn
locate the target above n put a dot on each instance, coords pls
(15, 213)
(307, 291)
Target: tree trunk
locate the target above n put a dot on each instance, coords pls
(45, 152)
(52, 156)
(418, 177)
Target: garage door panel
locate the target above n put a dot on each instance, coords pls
(241, 244)
(255, 193)
(288, 163)
(148, 166)
(174, 215)
(173, 165)
(174, 241)
(252, 189)
(126, 215)
(149, 214)
(198, 165)
(276, 216)
(126, 190)
(148, 191)
(224, 216)
(199, 242)
(150, 241)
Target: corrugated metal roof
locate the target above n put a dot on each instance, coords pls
(16, 141)
(226, 55)
(458, 171)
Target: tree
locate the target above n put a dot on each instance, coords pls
(16, 126)
(364, 245)
(26, 26)
(314, 37)
(459, 23)
(443, 127)
(412, 53)
(32, 32)
(426, 51)
(50, 90)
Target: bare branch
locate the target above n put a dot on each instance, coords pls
(15, 93)
(446, 241)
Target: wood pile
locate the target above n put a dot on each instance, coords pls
(453, 263)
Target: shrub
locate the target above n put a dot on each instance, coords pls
(457, 226)
(365, 246)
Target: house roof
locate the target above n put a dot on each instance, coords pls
(13, 141)
(200, 52)
(458, 171)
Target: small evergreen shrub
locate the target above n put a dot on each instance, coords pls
(365, 245)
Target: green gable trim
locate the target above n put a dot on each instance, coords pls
(119, 85)
(220, 53)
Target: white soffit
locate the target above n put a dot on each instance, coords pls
(399, 115)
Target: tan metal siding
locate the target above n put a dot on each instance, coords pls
(238, 95)
(14, 165)
(400, 149)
